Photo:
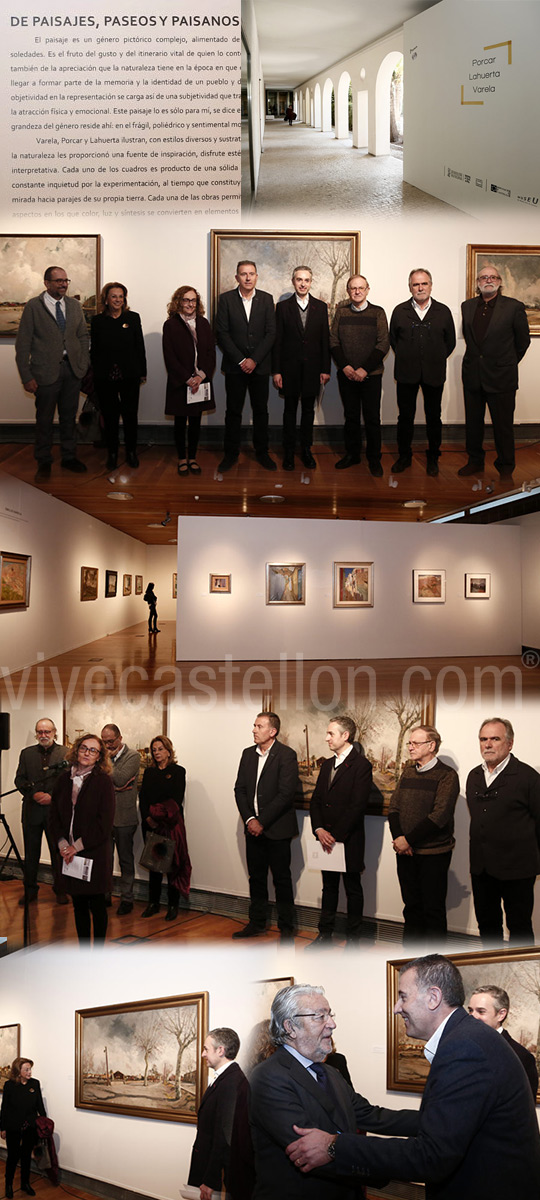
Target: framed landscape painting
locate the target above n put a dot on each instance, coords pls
(429, 587)
(138, 585)
(15, 570)
(477, 585)
(111, 583)
(143, 1059)
(25, 257)
(353, 585)
(519, 269)
(220, 584)
(126, 586)
(89, 583)
(10, 1048)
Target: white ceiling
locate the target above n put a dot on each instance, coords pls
(299, 38)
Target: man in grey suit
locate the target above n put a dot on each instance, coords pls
(125, 775)
(37, 771)
(51, 352)
(245, 333)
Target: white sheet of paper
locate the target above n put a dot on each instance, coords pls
(79, 868)
(203, 393)
(319, 860)
(194, 1193)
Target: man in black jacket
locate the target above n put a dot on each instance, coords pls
(37, 772)
(422, 336)
(265, 792)
(210, 1156)
(491, 1004)
(300, 363)
(245, 332)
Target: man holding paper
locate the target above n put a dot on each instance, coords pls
(338, 806)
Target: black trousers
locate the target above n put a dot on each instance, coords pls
(33, 835)
(155, 880)
(119, 399)
(152, 618)
(264, 854)
(236, 387)
(193, 422)
(517, 895)
(423, 880)
(90, 909)
(501, 407)
(20, 1144)
(355, 901)
(406, 400)
(362, 399)
(64, 393)
(290, 406)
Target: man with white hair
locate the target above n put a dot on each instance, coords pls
(37, 771)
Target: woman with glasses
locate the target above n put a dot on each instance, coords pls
(189, 350)
(161, 801)
(82, 817)
(119, 364)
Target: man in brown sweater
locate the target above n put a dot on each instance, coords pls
(359, 342)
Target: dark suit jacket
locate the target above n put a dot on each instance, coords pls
(493, 364)
(478, 1136)
(526, 1059)
(301, 355)
(32, 778)
(505, 822)
(93, 823)
(340, 807)
(421, 348)
(120, 341)
(276, 792)
(283, 1094)
(179, 355)
(238, 339)
(211, 1150)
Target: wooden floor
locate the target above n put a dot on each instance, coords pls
(156, 490)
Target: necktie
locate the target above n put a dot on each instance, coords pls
(322, 1078)
(60, 318)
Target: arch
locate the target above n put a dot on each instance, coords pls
(342, 105)
(381, 134)
(361, 118)
(318, 109)
(326, 122)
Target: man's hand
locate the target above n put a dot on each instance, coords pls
(42, 798)
(206, 1192)
(277, 381)
(31, 386)
(248, 365)
(254, 827)
(349, 372)
(326, 839)
(324, 379)
(68, 853)
(401, 846)
(311, 1150)
(360, 375)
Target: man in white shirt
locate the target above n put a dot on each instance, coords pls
(491, 1004)
(245, 332)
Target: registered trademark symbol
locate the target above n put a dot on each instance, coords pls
(531, 658)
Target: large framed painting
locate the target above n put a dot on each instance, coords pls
(15, 570)
(89, 583)
(332, 257)
(353, 585)
(139, 725)
(519, 269)
(10, 1048)
(517, 971)
(286, 583)
(143, 1059)
(24, 258)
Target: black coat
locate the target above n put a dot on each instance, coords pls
(493, 363)
(276, 793)
(31, 777)
(340, 807)
(117, 340)
(421, 348)
(526, 1059)
(505, 822)
(179, 355)
(238, 339)
(93, 823)
(210, 1156)
(301, 354)
(21, 1103)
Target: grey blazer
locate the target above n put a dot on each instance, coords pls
(40, 343)
(125, 776)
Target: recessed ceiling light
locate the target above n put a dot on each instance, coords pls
(154, 525)
(174, 541)
(272, 499)
(414, 504)
(120, 495)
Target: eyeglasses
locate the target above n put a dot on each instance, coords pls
(59, 281)
(186, 300)
(360, 289)
(488, 278)
(89, 750)
(420, 743)
(318, 1016)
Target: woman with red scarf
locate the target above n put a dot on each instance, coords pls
(161, 801)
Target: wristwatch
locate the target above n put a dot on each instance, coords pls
(331, 1148)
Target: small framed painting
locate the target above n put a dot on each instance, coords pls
(429, 587)
(220, 583)
(138, 585)
(15, 580)
(126, 588)
(111, 583)
(89, 583)
(10, 1048)
(285, 583)
(353, 585)
(477, 586)
(175, 585)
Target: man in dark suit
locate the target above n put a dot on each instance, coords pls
(51, 351)
(300, 363)
(477, 1131)
(496, 333)
(491, 1004)
(37, 772)
(503, 795)
(293, 1088)
(245, 332)
(422, 336)
(210, 1158)
(337, 810)
(265, 792)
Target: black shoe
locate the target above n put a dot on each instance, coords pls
(108, 900)
(249, 931)
(43, 473)
(432, 467)
(308, 459)
(322, 939)
(471, 468)
(226, 463)
(401, 464)
(61, 898)
(172, 912)
(9, 1192)
(265, 461)
(150, 910)
(183, 468)
(25, 1187)
(30, 899)
(112, 462)
(288, 462)
(376, 469)
(287, 938)
(73, 464)
(349, 460)
(506, 472)
(124, 908)
(131, 459)
(194, 466)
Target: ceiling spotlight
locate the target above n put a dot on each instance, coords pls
(167, 519)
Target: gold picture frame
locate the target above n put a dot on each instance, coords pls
(89, 583)
(10, 1048)
(220, 585)
(138, 585)
(126, 585)
(519, 268)
(286, 584)
(25, 257)
(15, 572)
(353, 585)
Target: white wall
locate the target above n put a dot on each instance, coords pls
(160, 565)
(529, 526)
(251, 36)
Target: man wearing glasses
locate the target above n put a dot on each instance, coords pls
(359, 342)
(51, 351)
(421, 820)
(293, 1088)
(37, 772)
(496, 333)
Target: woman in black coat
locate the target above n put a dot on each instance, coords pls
(81, 824)
(119, 366)
(21, 1104)
(161, 801)
(189, 350)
